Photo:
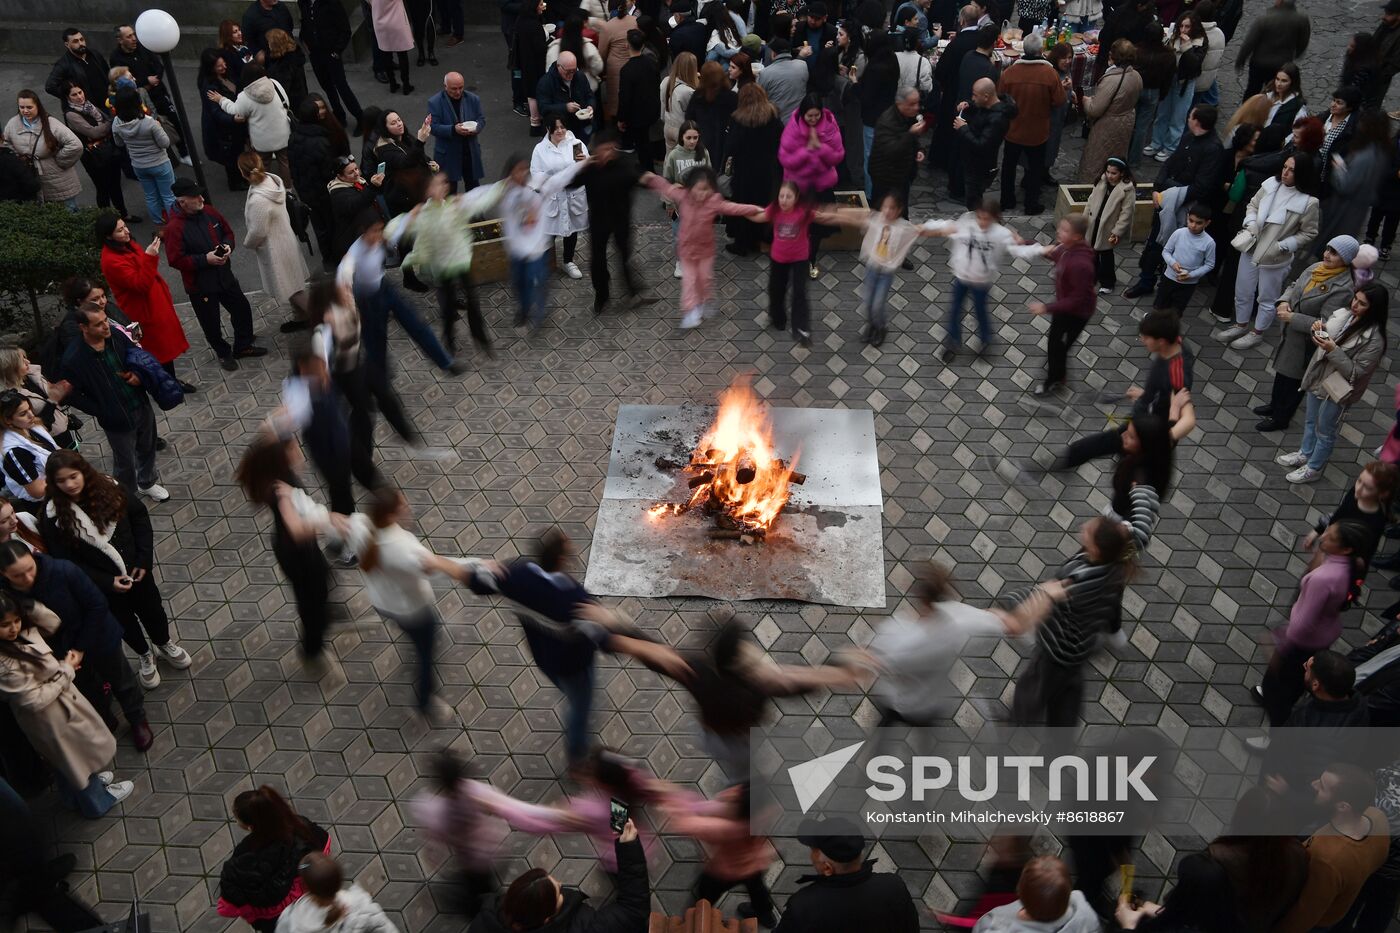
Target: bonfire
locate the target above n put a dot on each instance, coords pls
(735, 474)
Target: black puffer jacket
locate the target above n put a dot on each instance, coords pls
(259, 880)
(986, 128)
(311, 155)
(325, 26)
(627, 914)
(892, 149)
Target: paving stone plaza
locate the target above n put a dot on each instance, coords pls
(531, 433)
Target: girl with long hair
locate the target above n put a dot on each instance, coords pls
(50, 149)
(27, 446)
(1366, 502)
(676, 91)
(1287, 104)
(1187, 37)
(269, 236)
(223, 136)
(407, 167)
(146, 143)
(688, 154)
(753, 135)
(711, 106)
(327, 904)
(260, 878)
(270, 476)
(93, 125)
(397, 569)
(140, 289)
(1315, 621)
(58, 720)
(234, 51)
(1350, 345)
(90, 520)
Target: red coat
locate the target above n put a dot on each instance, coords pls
(141, 293)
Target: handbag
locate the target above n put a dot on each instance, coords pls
(1336, 386)
(1244, 240)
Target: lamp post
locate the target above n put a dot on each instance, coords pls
(158, 31)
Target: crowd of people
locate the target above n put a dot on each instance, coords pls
(753, 123)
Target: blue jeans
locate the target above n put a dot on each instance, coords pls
(1057, 135)
(875, 294)
(869, 134)
(1142, 124)
(155, 184)
(979, 308)
(91, 801)
(578, 690)
(530, 278)
(1210, 95)
(421, 629)
(1320, 430)
(1172, 111)
(386, 303)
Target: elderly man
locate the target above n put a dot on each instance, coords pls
(457, 124)
(980, 128)
(895, 151)
(1035, 86)
(563, 90)
(784, 79)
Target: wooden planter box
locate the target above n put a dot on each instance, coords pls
(490, 261)
(1072, 199)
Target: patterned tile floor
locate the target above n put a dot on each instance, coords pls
(532, 432)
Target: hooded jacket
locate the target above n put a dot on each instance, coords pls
(360, 915)
(258, 883)
(262, 104)
(1079, 918)
(811, 169)
(145, 140)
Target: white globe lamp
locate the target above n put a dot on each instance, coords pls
(158, 31)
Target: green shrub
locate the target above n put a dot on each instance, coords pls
(40, 246)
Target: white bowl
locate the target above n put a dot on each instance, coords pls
(471, 126)
(585, 114)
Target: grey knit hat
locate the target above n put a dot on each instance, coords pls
(1345, 246)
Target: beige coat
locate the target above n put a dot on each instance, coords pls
(60, 723)
(270, 237)
(612, 44)
(1113, 109)
(1281, 224)
(1116, 215)
(58, 171)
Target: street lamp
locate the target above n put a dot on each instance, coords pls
(158, 31)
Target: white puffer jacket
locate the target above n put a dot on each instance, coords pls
(1215, 53)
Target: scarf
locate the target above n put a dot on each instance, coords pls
(1333, 131)
(89, 533)
(89, 111)
(1321, 275)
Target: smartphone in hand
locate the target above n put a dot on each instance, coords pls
(617, 815)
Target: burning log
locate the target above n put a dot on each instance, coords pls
(666, 463)
(745, 475)
(701, 480)
(742, 535)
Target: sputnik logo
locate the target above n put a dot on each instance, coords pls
(811, 778)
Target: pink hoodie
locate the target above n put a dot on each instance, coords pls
(696, 242)
(811, 169)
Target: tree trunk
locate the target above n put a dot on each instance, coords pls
(38, 318)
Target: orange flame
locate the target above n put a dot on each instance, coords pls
(739, 446)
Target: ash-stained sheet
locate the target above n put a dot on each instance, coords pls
(826, 547)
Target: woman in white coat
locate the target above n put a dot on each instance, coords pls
(58, 720)
(270, 237)
(394, 35)
(565, 211)
(1280, 222)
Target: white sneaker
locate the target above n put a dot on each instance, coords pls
(174, 655)
(1304, 474)
(1104, 290)
(155, 492)
(120, 790)
(1295, 459)
(1229, 334)
(678, 270)
(572, 270)
(1150, 149)
(1163, 155)
(1251, 339)
(691, 319)
(1259, 743)
(148, 675)
(106, 777)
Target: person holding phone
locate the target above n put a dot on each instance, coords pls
(565, 212)
(142, 292)
(91, 521)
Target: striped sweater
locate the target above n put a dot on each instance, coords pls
(1095, 591)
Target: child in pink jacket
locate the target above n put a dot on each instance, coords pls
(699, 203)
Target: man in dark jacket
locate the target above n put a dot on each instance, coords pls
(688, 34)
(78, 65)
(148, 71)
(609, 180)
(980, 127)
(262, 16)
(946, 74)
(199, 242)
(638, 104)
(325, 31)
(894, 150)
(845, 894)
(564, 91)
(1278, 36)
(815, 31)
(1199, 164)
(105, 387)
(86, 624)
(975, 66)
(1378, 673)
(1387, 36)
